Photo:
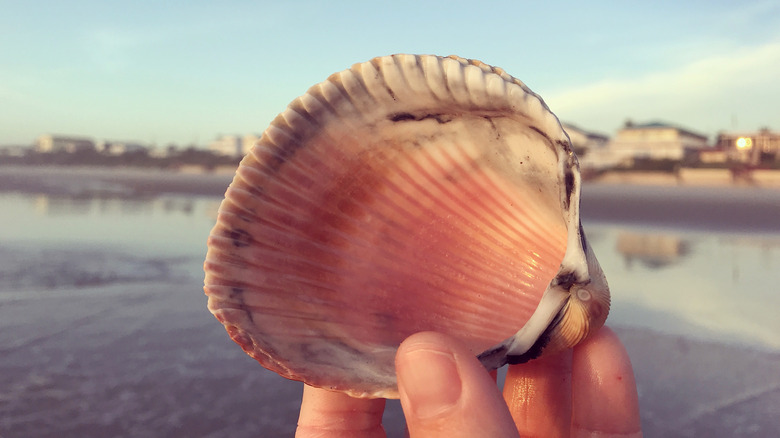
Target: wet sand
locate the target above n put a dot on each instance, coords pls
(147, 359)
(731, 208)
(141, 356)
(95, 181)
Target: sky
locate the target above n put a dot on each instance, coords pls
(185, 72)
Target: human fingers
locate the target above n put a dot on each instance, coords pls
(446, 392)
(605, 401)
(538, 394)
(328, 414)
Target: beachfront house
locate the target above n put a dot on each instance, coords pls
(123, 147)
(14, 150)
(583, 141)
(653, 141)
(233, 145)
(228, 145)
(50, 143)
(751, 147)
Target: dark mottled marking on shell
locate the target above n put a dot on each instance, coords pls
(256, 191)
(331, 105)
(403, 117)
(335, 79)
(240, 238)
(281, 155)
(542, 133)
(493, 126)
(565, 280)
(538, 347)
(284, 152)
(380, 74)
(237, 295)
(488, 357)
(532, 353)
(569, 188)
(315, 349)
(312, 118)
(565, 145)
(400, 117)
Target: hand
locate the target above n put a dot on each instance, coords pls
(445, 392)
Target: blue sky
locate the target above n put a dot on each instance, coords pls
(187, 71)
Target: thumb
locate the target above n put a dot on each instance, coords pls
(445, 391)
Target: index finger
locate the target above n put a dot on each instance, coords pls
(328, 414)
(538, 394)
(604, 396)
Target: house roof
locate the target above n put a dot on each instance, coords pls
(593, 135)
(662, 125)
(757, 133)
(66, 137)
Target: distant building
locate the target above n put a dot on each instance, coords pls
(583, 141)
(14, 150)
(226, 145)
(753, 147)
(162, 152)
(123, 147)
(233, 145)
(655, 141)
(716, 155)
(62, 143)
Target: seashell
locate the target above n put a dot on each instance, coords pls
(407, 193)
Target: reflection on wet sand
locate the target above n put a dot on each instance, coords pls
(654, 250)
(711, 286)
(149, 225)
(48, 205)
(45, 205)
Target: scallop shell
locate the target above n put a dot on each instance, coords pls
(407, 193)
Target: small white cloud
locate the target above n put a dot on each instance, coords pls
(702, 93)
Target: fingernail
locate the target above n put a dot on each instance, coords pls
(428, 381)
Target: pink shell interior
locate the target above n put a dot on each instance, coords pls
(347, 249)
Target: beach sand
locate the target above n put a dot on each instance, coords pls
(728, 208)
(147, 359)
(141, 356)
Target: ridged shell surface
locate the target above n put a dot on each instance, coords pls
(407, 193)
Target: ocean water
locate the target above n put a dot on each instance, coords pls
(104, 331)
